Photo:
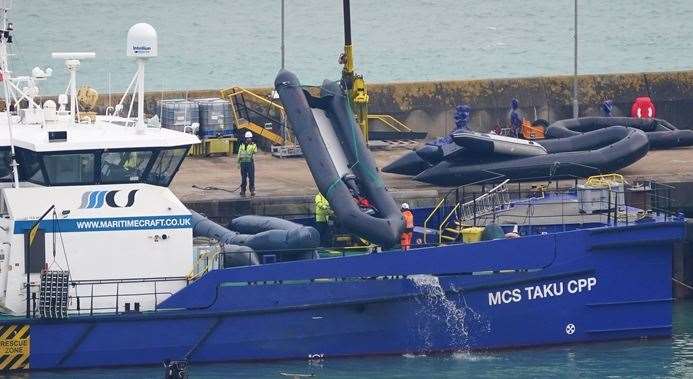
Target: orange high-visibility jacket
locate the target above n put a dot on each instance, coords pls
(408, 221)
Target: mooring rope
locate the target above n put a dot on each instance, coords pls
(682, 283)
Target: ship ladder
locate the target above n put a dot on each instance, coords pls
(464, 215)
(244, 114)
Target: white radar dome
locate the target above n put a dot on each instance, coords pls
(142, 41)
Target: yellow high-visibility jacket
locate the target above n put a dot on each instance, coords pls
(246, 152)
(322, 208)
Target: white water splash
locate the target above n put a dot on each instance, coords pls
(412, 356)
(438, 308)
(471, 357)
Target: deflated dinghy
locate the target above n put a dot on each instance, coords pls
(339, 160)
(660, 133)
(257, 236)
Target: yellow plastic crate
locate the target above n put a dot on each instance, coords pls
(219, 146)
(472, 234)
(213, 146)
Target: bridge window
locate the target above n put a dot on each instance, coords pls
(30, 166)
(73, 168)
(154, 166)
(5, 165)
(166, 165)
(124, 166)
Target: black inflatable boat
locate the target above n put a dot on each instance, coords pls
(660, 133)
(599, 151)
(339, 160)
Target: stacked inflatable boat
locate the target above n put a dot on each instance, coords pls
(575, 147)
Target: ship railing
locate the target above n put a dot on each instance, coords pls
(391, 122)
(622, 204)
(494, 200)
(451, 200)
(120, 295)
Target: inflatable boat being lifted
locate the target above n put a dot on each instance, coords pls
(335, 152)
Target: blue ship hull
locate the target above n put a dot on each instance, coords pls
(577, 286)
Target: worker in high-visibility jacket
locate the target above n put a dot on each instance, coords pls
(405, 238)
(246, 160)
(323, 212)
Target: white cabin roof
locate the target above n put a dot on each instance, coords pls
(106, 133)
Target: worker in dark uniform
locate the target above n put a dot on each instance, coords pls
(405, 238)
(516, 117)
(607, 107)
(246, 159)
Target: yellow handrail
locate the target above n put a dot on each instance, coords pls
(235, 91)
(233, 111)
(230, 93)
(445, 223)
(434, 212)
(390, 121)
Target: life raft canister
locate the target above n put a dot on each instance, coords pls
(642, 108)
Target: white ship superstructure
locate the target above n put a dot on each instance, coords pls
(101, 184)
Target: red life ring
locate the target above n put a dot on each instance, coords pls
(642, 108)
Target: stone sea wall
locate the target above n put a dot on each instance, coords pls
(429, 106)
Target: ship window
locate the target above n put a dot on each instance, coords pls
(5, 167)
(74, 168)
(124, 166)
(30, 166)
(166, 165)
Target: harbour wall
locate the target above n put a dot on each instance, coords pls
(429, 106)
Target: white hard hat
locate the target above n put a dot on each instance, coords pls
(405, 206)
(248, 135)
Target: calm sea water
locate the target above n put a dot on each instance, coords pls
(661, 358)
(217, 43)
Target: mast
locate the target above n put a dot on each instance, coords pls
(6, 38)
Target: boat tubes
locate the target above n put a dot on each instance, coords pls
(628, 146)
(661, 134)
(415, 161)
(339, 160)
(255, 237)
(483, 143)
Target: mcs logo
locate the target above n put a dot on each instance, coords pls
(96, 199)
